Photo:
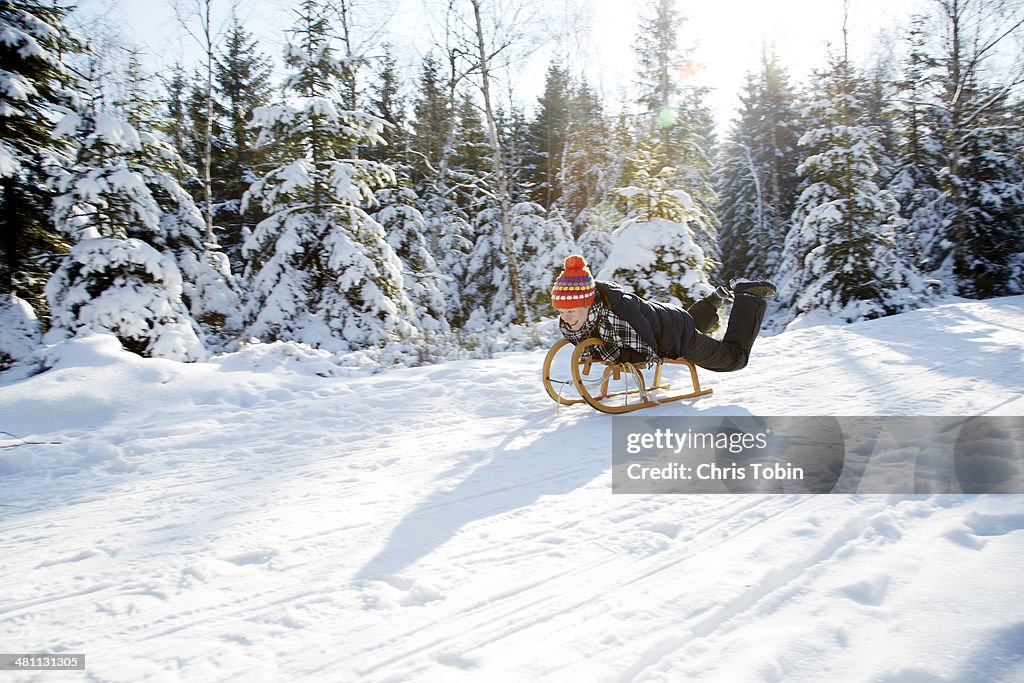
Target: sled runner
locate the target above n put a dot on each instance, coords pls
(611, 391)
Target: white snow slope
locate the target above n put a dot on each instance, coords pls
(246, 521)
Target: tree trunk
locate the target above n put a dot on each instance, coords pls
(208, 146)
(500, 173)
(956, 134)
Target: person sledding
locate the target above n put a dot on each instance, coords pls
(634, 330)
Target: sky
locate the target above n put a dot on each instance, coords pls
(726, 37)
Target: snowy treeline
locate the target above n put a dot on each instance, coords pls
(353, 207)
(876, 186)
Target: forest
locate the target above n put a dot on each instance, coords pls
(356, 208)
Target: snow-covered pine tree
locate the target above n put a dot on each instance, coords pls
(449, 153)
(484, 273)
(470, 164)
(916, 183)
(123, 183)
(125, 287)
(174, 105)
(593, 160)
(472, 197)
(595, 244)
(980, 238)
(517, 145)
(542, 241)
(319, 268)
(840, 255)
(387, 101)
(991, 179)
(241, 83)
(405, 228)
(20, 333)
(33, 78)
(454, 253)
(757, 177)
(880, 106)
(432, 124)
(208, 287)
(680, 132)
(655, 252)
(119, 195)
(547, 138)
(100, 194)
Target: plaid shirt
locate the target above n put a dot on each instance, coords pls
(615, 332)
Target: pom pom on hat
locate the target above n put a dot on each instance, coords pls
(574, 288)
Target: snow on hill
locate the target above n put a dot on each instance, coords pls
(249, 519)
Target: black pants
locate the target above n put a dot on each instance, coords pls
(733, 351)
(704, 314)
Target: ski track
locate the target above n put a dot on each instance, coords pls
(444, 523)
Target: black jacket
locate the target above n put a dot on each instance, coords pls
(667, 329)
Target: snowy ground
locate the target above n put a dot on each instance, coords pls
(254, 521)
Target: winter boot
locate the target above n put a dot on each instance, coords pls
(760, 288)
(718, 297)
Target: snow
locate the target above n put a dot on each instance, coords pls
(19, 330)
(16, 86)
(659, 259)
(9, 164)
(127, 288)
(257, 517)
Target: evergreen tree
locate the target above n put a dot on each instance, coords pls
(881, 114)
(388, 103)
(979, 246)
(20, 333)
(518, 146)
(176, 124)
(592, 164)
(127, 288)
(742, 186)
(916, 182)
(33, 82)
(681, 134)
(656, 251)
(548, 132)
(432, 122)
(454, 254)
(241, 84)
(840, 255)
(992, 192)
(483, 271)
(319, 267)
(195, 141)
(122, 184)
(659, 59)
(470, 158)
(595, 244)
(405, 228)
(757, 179)
(449, 153)
(116, 278)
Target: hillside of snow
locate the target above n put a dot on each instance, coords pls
(250, 519)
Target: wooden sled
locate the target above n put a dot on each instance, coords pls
(611, 392)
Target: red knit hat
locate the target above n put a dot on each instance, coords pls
(574, 288)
